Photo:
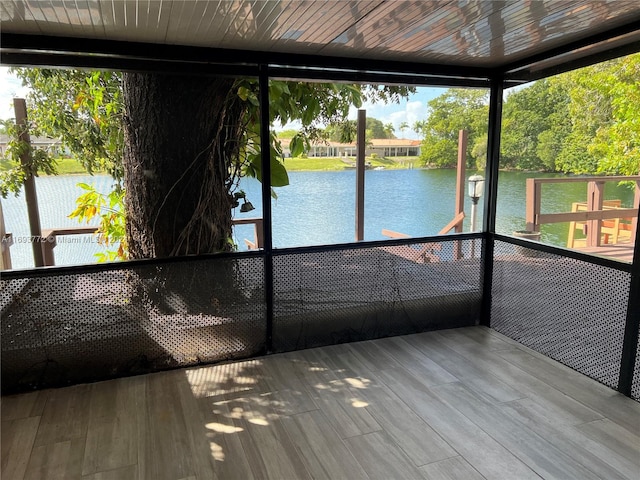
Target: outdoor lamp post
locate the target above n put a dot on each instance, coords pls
(246, 205)
(476, 189)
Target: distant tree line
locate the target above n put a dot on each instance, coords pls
(346, 131)
(585, 122)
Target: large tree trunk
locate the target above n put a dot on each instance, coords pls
(182, 135)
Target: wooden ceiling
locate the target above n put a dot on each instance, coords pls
(462, 33)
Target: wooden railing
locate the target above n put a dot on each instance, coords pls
(50, 237)
(428, 251)
(258, 238)
(50, 240)
(593, 215)
(455, 224)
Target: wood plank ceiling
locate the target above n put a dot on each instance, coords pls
(470, 33)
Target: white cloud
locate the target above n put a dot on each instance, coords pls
(11, 87)
(397, 119)
(294, 125)
(416, 111)
(409, 112)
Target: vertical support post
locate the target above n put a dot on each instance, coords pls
(20, 109)
(5, 243)
(491, 196)
(48, 244)
(595, 198)
(636, 205)
(265, 154)
(362, 128)
(474, 207)
(533, 203)
(632, 325)
(460, 184)
(258, 232)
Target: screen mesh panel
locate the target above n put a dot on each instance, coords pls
(570, 310)
(73, 327)
(635, 385)
(352, 294)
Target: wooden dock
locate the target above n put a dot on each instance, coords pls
(609, 228)
(622, 251)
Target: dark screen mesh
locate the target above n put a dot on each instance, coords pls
(73, 327)
(69, 327)
(354, 294)
(635, 385)
(570, 310)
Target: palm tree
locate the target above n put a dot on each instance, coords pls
(404, 126)
(389, 129)
(419, 126)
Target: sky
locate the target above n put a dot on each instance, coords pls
(10, 87)
(410, 111)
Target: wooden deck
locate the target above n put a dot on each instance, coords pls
(456, 404)
(622, 251)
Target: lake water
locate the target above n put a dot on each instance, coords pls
(318, 208)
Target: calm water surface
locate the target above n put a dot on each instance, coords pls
(317, 208)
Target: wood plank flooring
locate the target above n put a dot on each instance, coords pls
(462, 404)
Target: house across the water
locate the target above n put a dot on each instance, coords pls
(43, 143)
(383, 147)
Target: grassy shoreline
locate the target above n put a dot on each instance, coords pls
(69, 166)
(64, 166)
(337, 164)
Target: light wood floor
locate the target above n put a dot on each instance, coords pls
(457, 404)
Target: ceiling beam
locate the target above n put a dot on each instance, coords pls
(522, 69)
(574, 64)
(389, 78)
(106, 52)
(49, 60)
(65, 60)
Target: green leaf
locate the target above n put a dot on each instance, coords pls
(296, 147)
(243, 93)
(310, 113)
(279, 176)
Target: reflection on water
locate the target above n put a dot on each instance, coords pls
(319, 208)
